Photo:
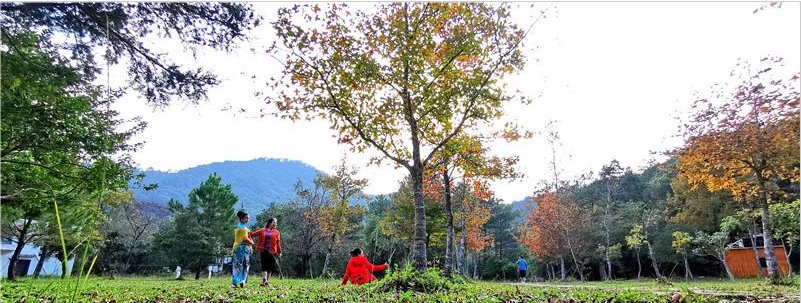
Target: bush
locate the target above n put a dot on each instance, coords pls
(406, 278)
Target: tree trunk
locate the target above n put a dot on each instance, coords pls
(639, 265)
(449, 210)
(687, 273)
(726, 266)
(462, 253)
(653, 259)
(547, 271)
(602, 270)
(770, 256)
(12, 263)
(564, 270)
(787, 253)
(419, 252)
(64, 264)
(575, 262)
(475, 266)
(325, 264)
(44, 253)
(328, 253)
(754, 247)
(606, 232)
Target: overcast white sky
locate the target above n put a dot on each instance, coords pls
(614, 75)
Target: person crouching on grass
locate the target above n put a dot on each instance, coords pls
(359, 269)
(241, 251)
(269, 247)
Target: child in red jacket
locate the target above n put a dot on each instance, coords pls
(359, 270)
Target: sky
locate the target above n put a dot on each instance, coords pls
(614, 77)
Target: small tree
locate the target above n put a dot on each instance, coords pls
(338, 217)
(635, 240)
(681, 240)
(610, 175)
(715, 244)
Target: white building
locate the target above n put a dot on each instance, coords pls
(27, 260)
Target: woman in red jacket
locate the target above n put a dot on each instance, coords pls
(269, 246)
(359, 270)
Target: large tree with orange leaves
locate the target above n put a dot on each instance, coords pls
(403, 79)
(748, 144)
(552, 229)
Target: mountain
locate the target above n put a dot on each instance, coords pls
(523, 207)
(257, 182)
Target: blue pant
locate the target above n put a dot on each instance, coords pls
(241, 264)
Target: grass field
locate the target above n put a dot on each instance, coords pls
(292, 290)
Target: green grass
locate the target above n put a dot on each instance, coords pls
(755, 287)
(293, 290)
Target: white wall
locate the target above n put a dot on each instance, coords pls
(51, 267)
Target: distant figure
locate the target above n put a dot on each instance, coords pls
(241, 251)
(359, 269)
(269, 246)
(522, 267)
(178, 272)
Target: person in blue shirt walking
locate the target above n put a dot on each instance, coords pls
(522, 267)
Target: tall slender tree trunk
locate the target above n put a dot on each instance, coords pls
(687, 273)
(653, 259)
(606, 232)
(548, 274)
(564, 269)
(21, 241)
(787, 252)
(602, 270)
(575, 261)
(770, 256)
(751, 233)
(462, 254)
(475, 266)
(449, 210)
(328, 254)
(639, 265)
(44, 253)
(419, 252)
(722, 259)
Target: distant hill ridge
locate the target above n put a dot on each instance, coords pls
(257, 182)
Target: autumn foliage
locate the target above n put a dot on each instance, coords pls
(476, 215)
(551, 226)
(748, 145)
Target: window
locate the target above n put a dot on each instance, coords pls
(763, 262)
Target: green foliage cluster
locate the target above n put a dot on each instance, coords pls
(200, 231)
(406, 278)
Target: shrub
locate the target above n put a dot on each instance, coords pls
(406, 278)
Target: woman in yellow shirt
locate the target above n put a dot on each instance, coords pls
(243, 246)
